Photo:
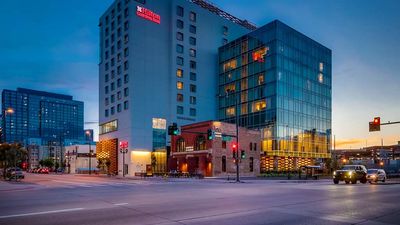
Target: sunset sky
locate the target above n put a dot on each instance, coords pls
(53, 46)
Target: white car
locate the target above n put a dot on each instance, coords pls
(375, 175)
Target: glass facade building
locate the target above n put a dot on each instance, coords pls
(279, 81)
(37, 114)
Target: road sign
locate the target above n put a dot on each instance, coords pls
(226, 138)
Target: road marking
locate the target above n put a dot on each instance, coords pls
(41, 213)
(75, 183)
(118, 204)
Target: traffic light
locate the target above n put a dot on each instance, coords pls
(375, 125)
(242, 154)
(234, 149)
(210, 134)
(173, 129)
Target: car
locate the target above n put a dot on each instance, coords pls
(375, 175)
(14, 173)
(350, 173)
(43, 170)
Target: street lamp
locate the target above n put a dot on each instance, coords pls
(88, 136)
(228, 91)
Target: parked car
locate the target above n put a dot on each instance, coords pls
(14, 173)
(43, 170)
(375, 175)
(351, 173)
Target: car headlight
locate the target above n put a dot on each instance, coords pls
(373, 176)
(334, 172)
(350, 173)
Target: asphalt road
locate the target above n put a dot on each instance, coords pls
(81, 200)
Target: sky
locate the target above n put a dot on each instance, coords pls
(52, 46)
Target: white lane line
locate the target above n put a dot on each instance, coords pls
(118, 204)
(41, 213)
(74, 183)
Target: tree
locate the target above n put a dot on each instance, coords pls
(12, 155)
(49, 162)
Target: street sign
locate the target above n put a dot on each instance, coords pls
(217, 134)
(226, 138)
(123, 144)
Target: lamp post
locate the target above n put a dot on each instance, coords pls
(123, 151)
(237, 132)
(88, 135)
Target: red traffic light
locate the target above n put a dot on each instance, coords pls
(234, 146)
(377, 121)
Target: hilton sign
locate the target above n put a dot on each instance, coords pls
(148, 14)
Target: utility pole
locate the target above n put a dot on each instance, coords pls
(237, 132)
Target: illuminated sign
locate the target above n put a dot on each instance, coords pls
(123, 144)
(148, 14)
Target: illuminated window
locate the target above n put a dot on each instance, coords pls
(109, 127)
(321, 66)
(159, 123)
(243, 109)
(259, 105)
(179, 61)
(179, 85)
(179, 73)
(179, 110)
(192, 16)
(259, 54)
(320, 78)
(260, 79)
(230, 111)
(179, 97)
(179, 24)
(230, 88)
(229, 65)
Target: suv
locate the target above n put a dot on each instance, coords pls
(351, 173)
(14, 173)
(375, 175)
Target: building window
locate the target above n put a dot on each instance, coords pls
(224, 144)
(112, 86)
(119, 58)
(126, 78)
(126, 25)
(112, 38)
(193, 100)
(141, 1)
(179, 85)
(119, 108)
(112, 98)
(109, 127)
(179, 24)
(126, 65)
(106, 78)
(179, 97)
(179, 61)
(112, 25)
(126, 12)
(106, 54)
(193, 76)
(112, 74)
(180, 145)
(106, 101)
(192, 64)
(225, 30)
(119, 95)
(106, 89)
(192, 52)
(260, 79)
(107, 43)
(179, 11)
(119, 45)
(179, 110)
(112, 50)
(200, 143)
(179, 36)
(119, 21)
(106, 66)
(223, 163)
(192, 29)
(230, 111)
(179, 73)
(192, 41)
(107, 33)
(192, 88)
(106, 113)
(229, 65)
(251, 164)
(179, 48)
(119, 82)
(321, 67)
(224, 41)
(126, 92)
(119, 71)
(192, 16)
(192, 112)
(126, 105)
(255, 146)
(126, 38)
(107, 19)
(259, 106)
(112, 110)
(126, 52)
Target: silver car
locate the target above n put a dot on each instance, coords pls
(375, 175)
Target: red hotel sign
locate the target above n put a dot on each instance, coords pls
(148, 14)
(123, 144)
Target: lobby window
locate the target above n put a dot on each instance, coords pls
(112, 110)
(179, 97)
(179, 61)
(192, 64)
(192, 41)
(179, 24)
(192, 100)
(192, 29)
(119, 82)
(225, 30)
(192, 52)
(106, 89)
(179, 48)
(112, 98)
(179, 73)
(192, 16)
(179, 36)
(126, 52)
(106, 113)
(126, 65)
(192, 112)
(179, 110)
(179, 11)
(126, 78)
(193, 76)
(126, 105)
(126, 92)
(119, 108)
(192, 88)
(126, 25)
(179, 85)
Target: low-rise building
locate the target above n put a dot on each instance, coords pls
(192, 151)
(79, 159)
